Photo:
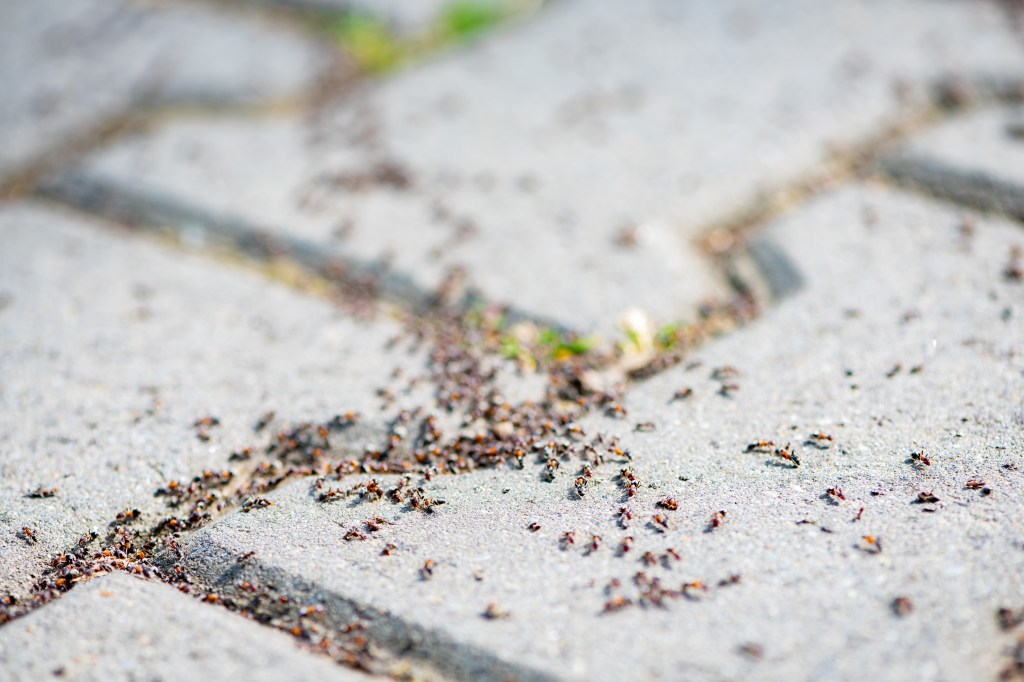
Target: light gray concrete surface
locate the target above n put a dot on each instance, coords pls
(111, 347)
(530, 158)
(122, 628)
(976, 159)
(892, 283)
(68, 65)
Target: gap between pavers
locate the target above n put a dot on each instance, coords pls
(123, 628)
(404, 17)
(112, 347)
(68, 66)
(568, 165)
(893, 288)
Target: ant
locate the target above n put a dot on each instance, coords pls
(627, 544)
(376, 523)
(659, 523)
(256, 503)
(902, 606)
(29, 535)
(617, 411)
(690, 589)
(264, 421)
(617, 604)
(494, 612)
(568, 538)
(533, 527)
(330, 495)
(820, 440)
(717, 519)
(624, 516)
(761, 445)
(734, 579)
(203, 426)
(670, 503)
(550, 468)
(836, 493)
(581, 486)
(727, 389)
(682, 394)
(427, 570)
(42, 492)
(919, 458)
(874, 545)
(787, 454)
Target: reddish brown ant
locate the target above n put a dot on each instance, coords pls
(836, 493)
(494, 612)
(42, 492)
(717, 519)
(902, 606)
(682, 394)
(874, 545)
(581, 486)
(617, 604)
(820, 440)
(627, 545)
(920, 458)
(787, 454)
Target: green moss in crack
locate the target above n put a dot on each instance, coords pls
(465, 19)
(370, 41)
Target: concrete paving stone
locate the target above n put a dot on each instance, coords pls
(112, 347)
(893, 287)
(123, 628)
(68, 65)
(569, 163)
(976, 159)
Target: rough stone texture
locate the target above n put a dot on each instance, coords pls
(891, 280)
(111, 347)
(121, 628)
(68, 65)
(975, 159)
(528, 155)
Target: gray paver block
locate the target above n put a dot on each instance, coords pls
(123, 628)
(976, 159)
(69, 65)
(897, 287)
(530, 158)
(111, 348)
